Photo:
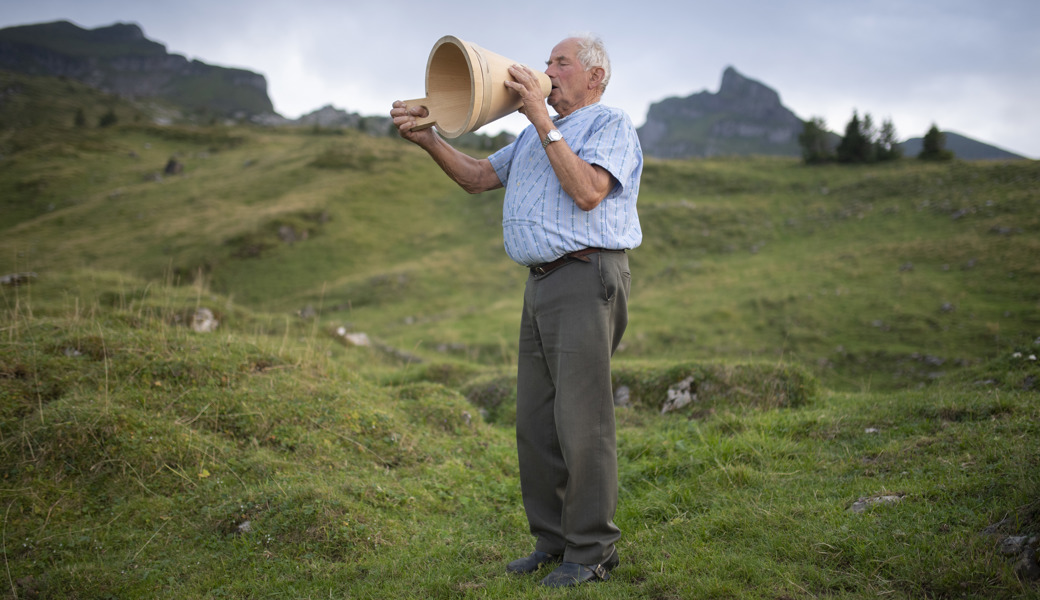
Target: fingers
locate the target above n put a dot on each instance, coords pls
(523, 75)
(402, 118)
(402, 109)
(405, 117)
(526, 84)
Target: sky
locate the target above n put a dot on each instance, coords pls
(972, 67)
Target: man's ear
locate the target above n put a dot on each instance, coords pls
(596, 75)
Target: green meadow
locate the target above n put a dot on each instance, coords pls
(860, 344)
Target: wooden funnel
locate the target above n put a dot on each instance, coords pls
(465, 88)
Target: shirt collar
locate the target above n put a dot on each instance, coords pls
(558, 119)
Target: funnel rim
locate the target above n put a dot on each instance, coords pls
(476, 82)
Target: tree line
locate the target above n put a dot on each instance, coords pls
(864, 143)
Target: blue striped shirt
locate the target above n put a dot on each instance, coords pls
(540, 222)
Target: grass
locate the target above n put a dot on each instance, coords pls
(143, 459)
(140, 448)
(849, 335)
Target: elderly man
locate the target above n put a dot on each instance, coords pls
(569, 215)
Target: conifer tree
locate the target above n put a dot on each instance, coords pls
(933, 147)
(888, 147)
(854, 145)
(868, 147)
(815, 142)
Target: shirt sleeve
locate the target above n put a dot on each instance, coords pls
(612, 143)
(501, 162)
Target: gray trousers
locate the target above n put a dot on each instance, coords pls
(572, 323)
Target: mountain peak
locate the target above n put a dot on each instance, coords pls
(732, 81)
(120, 32)
(743, 117)
(736, 86)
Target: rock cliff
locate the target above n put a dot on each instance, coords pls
(119, 59)
(743, 117)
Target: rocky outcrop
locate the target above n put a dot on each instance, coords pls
(15, 279)
(119, 60)
(1016, 540)
(329, 116)
(744, 117)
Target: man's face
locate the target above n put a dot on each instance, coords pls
(571, 83)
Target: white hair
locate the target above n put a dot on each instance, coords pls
(592, 53)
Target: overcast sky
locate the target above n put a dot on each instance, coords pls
(972, 67)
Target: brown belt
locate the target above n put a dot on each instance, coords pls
(582, 255)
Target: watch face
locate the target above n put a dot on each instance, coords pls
(555, 135)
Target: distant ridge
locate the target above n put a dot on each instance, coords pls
(746, 117)
(120, 60)
(962, 147)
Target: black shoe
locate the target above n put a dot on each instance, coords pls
(571, 574)
(533, 562)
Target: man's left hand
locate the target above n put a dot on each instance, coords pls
(530, 91)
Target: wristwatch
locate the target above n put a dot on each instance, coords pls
(553, 136)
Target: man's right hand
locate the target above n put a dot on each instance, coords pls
(526, 84)
(405, 116)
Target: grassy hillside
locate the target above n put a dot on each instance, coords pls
(859, 341)
(880, 277)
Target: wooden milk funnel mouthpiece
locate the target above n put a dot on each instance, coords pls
(465, 88)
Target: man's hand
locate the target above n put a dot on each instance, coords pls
(404, 117)
(530, 91)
